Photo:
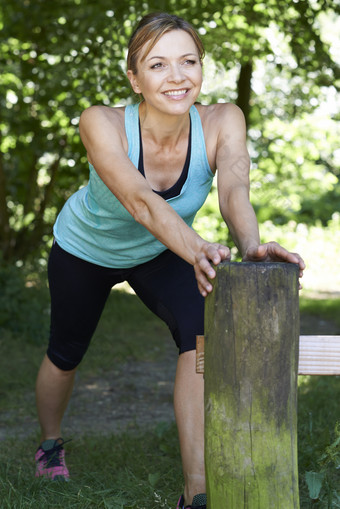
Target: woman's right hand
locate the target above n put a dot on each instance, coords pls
(209, 253)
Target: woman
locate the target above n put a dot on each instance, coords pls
(151, 168)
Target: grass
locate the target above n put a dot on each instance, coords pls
(327, 309)
(319, 441)
(118, 338)
(141, 469)
(124, 471)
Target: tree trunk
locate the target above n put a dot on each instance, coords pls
(251, 363)
(244, 89)
(4, 215)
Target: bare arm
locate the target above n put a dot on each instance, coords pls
(233, 165)
(101, 132)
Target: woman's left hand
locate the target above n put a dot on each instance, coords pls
(273, 252)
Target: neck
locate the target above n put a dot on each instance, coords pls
(161, 128)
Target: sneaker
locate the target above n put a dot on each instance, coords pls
(50, 460)
(198, 502)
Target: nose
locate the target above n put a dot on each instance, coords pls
(176, 73)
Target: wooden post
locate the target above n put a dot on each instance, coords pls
(251, 368)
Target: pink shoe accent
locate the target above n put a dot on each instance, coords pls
(180, 503)
(51, 464)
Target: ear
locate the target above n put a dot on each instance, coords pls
(134, 82)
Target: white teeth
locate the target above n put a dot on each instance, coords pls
(176, 92)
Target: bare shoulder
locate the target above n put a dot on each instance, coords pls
(221, 115)
(102, 128)
(223, 127)
(96, 115)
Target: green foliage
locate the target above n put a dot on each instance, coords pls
(314, 482)
(296, 171)
(24, 305)
(209, 223)
(317, 245)
(59, 58)
(319, 442)
(327, 308)
(58, 61)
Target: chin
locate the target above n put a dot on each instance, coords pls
(179, 106)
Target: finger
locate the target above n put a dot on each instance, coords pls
(213, 254)
(216, 253)
(283, 254)
(294, 258)
(204, 285)
(205, 269)
(261, 250)
(257, 253)
(275, 250)
(202, 291)
(224, 252)
(302, 264)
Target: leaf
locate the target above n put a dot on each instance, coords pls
(162, 429)
(153, 479)
(314, 482)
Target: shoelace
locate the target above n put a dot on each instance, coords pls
(52, 456)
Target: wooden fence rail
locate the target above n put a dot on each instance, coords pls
(318, 355)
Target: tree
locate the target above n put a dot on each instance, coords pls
(56, 64)
(58, 58)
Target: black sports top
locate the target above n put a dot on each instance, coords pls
(177, 187)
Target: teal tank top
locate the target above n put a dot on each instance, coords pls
(95, 226)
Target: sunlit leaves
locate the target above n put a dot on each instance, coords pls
(296, 170)
(58, 58)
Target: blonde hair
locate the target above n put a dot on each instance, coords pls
(151, 28)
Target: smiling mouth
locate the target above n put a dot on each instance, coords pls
(176, 92)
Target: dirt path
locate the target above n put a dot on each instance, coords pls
(138, 394)
(135, 395)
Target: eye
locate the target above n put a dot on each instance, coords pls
(190, 62)
(158, 65)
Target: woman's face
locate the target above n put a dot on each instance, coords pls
(170, 77)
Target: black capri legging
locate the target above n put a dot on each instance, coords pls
(79, 290)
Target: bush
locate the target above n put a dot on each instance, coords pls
(24, 304)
